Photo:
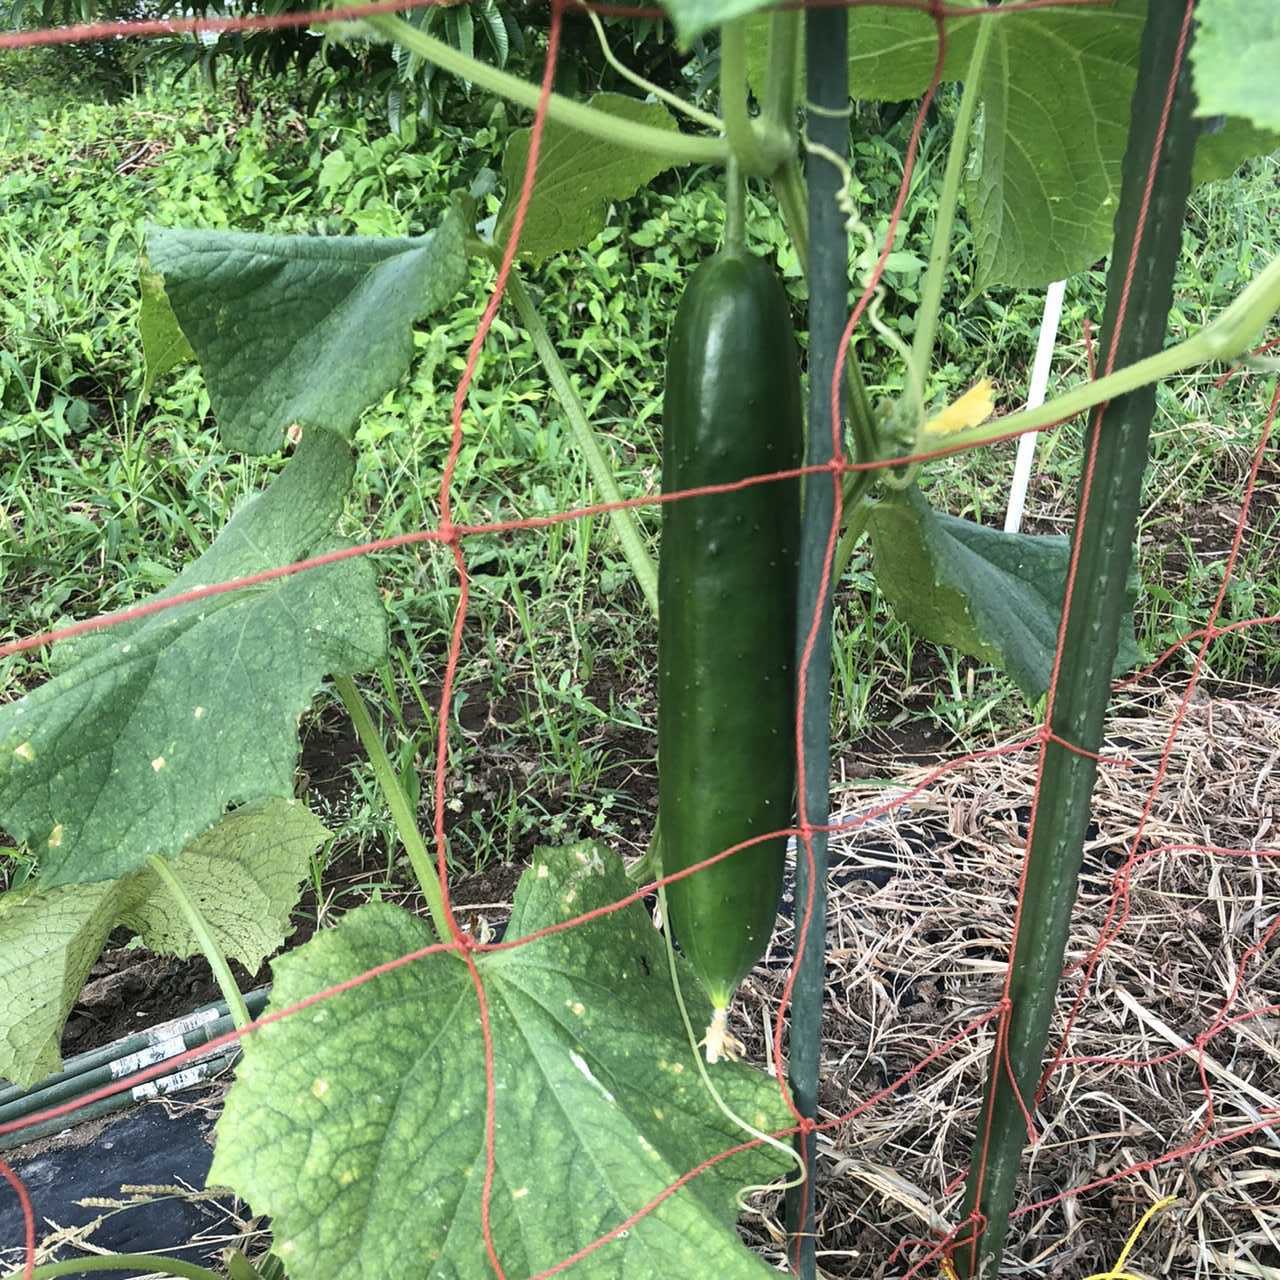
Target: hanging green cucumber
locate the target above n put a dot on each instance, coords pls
(726, 620)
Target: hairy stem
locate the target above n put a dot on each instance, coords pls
(940, 249)
(780, 85)
(150, 1263)
(735, 208)
(213, 953)
(1230, 335)
(673, 100)
(757, 152)
(680, 148)
(624, 524)
(402, 813)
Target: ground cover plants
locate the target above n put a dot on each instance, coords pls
(147, 769)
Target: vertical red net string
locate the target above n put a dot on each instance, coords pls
(459, 621)
(1001, 1048)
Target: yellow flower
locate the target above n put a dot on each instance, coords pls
(972, 409)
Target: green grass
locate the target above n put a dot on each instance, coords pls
(103, 497)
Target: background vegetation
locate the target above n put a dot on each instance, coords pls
(104, 493)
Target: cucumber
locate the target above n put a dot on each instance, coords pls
(727, 580)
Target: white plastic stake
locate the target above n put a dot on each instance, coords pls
(1035, 397)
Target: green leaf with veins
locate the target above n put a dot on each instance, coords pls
(1044, 169)
(578, 177)
(243, 873)
(358, 1124)
(996, 596)
(160, 724)
(302, 329)
(1234, 60)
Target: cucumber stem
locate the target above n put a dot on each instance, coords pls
(680, 148)
(944, 221)
(402, 814)
(735, 208)
(199, 926)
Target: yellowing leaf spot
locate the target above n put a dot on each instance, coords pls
(25, 752)
(158, 763)
(347, 1177)
(319, 1087)
(294, 432)
(55, 836)
(543, 871)
(519, 1193)
(970, 410)
(287, 1247)
(576, 1007)
(199, 713)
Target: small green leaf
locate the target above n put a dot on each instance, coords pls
(244, 875)
(993, 595)
(309, 330)
(158, 725)
(1234, 60)
(358, 1125)
(164, 345)
(578, 176)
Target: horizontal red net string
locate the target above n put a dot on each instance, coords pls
(142, 29)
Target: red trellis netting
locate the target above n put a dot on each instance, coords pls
(455, 537)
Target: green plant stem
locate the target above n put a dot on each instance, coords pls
(673, 100)
(402, 813)
(624, 525)
(944, 222)
(780, 84)
(757, 151)
(649, 865)
(789, 190)
(151, 1263)
(1229, 336)
(204, 936)
(735, 208)
(680, 148)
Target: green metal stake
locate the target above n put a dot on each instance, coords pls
(826, 33)
(1117, 439)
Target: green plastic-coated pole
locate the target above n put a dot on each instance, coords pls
(826, 36)
(1155, 181)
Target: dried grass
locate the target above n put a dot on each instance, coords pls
(914, 960)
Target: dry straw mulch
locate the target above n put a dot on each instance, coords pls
(918, 950)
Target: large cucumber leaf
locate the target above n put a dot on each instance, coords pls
(306, 330)
(243, 874)
(993, 595)
(1044, 170)
(578, 176)
(155, 727)
(1234, 60)
(358, 1124)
